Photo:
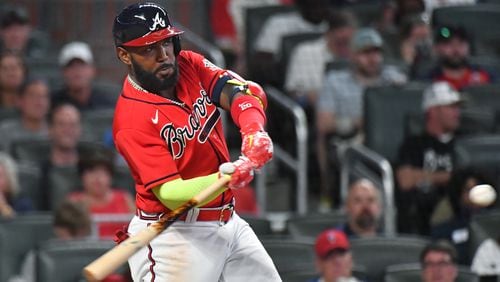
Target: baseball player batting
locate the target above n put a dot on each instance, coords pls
(167, 126)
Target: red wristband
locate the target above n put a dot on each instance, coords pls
(246, 109)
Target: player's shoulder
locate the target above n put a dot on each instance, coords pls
(188, 58)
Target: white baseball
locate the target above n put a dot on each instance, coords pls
(227, 168)
(482, 195)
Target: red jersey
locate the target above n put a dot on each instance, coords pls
(472, 76)
(162, 139)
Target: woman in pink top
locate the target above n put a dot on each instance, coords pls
(96, 173)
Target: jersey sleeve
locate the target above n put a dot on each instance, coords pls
(212, 77)
(149, 160)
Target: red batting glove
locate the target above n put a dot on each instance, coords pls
(241, 172)
(256, 145)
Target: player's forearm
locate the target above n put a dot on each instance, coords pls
(174, 193)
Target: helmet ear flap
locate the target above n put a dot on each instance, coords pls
(177, 44)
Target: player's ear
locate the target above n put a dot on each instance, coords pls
(123, 55)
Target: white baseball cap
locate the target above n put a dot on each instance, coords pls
(75, 50)
(440, 94)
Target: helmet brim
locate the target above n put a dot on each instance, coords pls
(153, 37)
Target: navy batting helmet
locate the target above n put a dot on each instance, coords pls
(143, 24)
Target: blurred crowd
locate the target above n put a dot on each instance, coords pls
(56, 150)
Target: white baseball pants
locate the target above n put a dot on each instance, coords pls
(202, 251)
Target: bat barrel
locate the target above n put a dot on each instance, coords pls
(114, 258)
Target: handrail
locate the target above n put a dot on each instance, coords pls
(299, 164)
(385, 169)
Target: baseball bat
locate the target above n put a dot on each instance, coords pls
(118, 255)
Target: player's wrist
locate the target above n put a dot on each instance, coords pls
(246, 109)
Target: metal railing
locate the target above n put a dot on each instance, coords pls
(298, 164)
(361, 153)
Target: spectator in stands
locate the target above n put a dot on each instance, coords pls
(77, 63)
(98, 196)
(64, 132)
(10, 202)
(17, 35)
(416, 40)
(425, 161)
(64, 135)
(333, 257)
(339, 107)
(386, 20)
(439, 262)
(310, 17)
(486, 261)
(71, 221)
(363, 208)
(452, 50)
(33, 102)
(452, 215)
(306, 68)
(12, 74)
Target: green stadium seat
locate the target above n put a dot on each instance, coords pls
(483, 226)
(290, 255)
(375, 254)
(20, 235)
(310, 225)
(411, 272)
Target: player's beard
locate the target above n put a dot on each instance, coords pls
(150, 82)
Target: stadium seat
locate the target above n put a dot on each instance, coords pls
(290, 255)
(375, 254)
(255, 18)
(261, 226)
(8, 113)
(29, 182)
(483, 226)
(310, 225)
(411, 272)
(473, 122)
(476, 19)
(299, 276)
(367, 12)
(480, 152)
(385, 112)
(95, 124)
(18, 236)
(63, 261)
(306, 275)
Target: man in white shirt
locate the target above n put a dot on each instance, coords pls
(310, 17)
(308, 60)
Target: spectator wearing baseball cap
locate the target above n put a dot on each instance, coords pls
(425, 161)
(333, 257)
(452, 50)
(339, 107)
(77, 63)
